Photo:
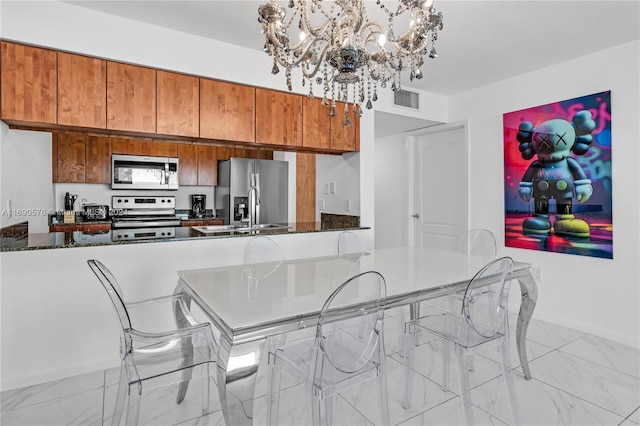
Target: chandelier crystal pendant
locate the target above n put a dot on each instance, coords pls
(336, 46)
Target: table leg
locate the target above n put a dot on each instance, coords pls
(237, 373)
(187, 350)
(529, 291)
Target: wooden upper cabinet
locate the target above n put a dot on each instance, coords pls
(98, 159)
(278, 118)
(28, 86)
(227, 111)
(131, 98)
(82, 91)
(70, 158)
(178, 104)
(128, 146)
(345, 138)
(162, 149)
(188, 164)
(316, 124)
(207, 165)
(226, 152)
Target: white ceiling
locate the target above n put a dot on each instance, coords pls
(482, 41)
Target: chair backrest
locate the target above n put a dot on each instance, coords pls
(112, 288)
(348, 242)
(484, 306)
(348, 334)
(480, 245)
(262, 249)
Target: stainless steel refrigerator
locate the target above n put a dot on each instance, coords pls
(253, 189)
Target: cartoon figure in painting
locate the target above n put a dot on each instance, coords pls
(555, 174)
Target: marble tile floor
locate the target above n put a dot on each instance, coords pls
(578, 379)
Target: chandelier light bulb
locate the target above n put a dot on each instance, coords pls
(344, 52)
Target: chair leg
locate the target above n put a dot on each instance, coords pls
(314, 405)
(463, 379)
(273, 403)
(328, 410)
(133, 409)
(508, 381)
(206, 390)
(382, 391)
(408, 344)
(120, 398)
(446, 350)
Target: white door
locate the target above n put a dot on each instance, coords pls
(440, 186)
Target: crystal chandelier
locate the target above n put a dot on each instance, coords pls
(338, 47)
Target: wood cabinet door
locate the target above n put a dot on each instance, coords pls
(187, 164)
(278, 118)
(71, 158)
(128, 146)
(97, 159)
(207, 165)
(227, 111)
(316, 124)
(345, 138)
(226, 152)
(131, 98)
(263, 154)
(28, 85)
(305, 187)
(178, 104)
(161, 149)
(82, 91)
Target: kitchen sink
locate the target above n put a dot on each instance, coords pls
(218, 229)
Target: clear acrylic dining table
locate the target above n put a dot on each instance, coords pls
(249, 303)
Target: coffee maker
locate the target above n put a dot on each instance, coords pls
(198, 203)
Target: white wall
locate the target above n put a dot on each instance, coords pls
(595, 295)
(391, 191)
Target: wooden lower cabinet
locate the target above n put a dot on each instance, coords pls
(305, 187)
(84, 227)
(205, 222)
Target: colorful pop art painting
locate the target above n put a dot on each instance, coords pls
(557, 177)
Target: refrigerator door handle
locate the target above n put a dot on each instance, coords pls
(257, 198)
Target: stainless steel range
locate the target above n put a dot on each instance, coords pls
(143, 217)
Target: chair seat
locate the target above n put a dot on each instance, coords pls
(445, 325)
(298, 358)
(165, 358)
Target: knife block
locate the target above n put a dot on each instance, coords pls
(69, 216)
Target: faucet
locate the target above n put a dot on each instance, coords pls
(254, 199)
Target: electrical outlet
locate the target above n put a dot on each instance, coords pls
(332, 187)
(321, 204)
(537, 274)
(348, 205)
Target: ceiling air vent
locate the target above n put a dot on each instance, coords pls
(406, 99)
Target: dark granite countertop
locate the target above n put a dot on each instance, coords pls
(54, 240)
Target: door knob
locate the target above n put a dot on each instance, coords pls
(416, 216)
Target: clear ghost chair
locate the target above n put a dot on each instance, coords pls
(481, 321)
(348, 242)
(337, 357)
(262, 249)
(152, 358)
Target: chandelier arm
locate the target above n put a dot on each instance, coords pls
(317, 65)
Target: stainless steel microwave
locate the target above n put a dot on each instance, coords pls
(143, 172)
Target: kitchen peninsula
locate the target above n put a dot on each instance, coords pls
(55, 240)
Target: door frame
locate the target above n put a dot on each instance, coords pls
(411, 138)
